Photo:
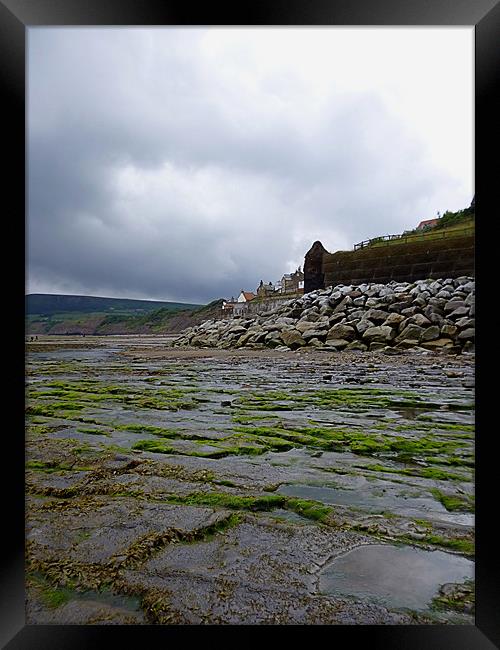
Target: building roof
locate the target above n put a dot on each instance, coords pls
(427, 222)
(248, 295)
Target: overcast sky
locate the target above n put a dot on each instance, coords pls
(188, 163)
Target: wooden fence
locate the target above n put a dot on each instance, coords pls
(386, 240)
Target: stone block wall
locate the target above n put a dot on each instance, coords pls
(450, 257)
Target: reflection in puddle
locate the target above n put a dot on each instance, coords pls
(393, 499)
(399, 577)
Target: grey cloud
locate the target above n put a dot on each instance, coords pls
(98, 104)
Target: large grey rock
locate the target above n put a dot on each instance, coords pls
(459, 312)
(337, 344)
(293, 339)
(336, 318)
(341, 331)
(467, 334)
(325, 309)
(430, 333)
(454, 304)
(357, 345)
(375, 346)
(315, 343)
(272, 340)
(363, 325)
(345, 302)
(410, 332)
(419, 319)
(438, 344)
(393, 319)
(372, 301)
(436, 319)
(470, 300)
(237, 330)
(465, 322)
(382, 333)
(438, 303)
(311, 314)
(421, 300)
(376, 315)
(410, 311)
(449, 330)
(304, 325)
(314, 333)
(356, 314)
(469, 287)
(259, 337)
(283, 320)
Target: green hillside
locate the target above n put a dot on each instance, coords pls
(95, 316)
(49, 304)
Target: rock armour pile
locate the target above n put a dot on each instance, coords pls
(427, 314)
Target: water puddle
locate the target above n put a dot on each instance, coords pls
(290, 516)
(393, 500)
(88, 354)
(396, 577)
(130, 603)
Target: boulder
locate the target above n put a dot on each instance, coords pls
(430, 333)
(304, 325)
(465, 322)
(345, 302)
(363, 325)
(393, 319)
(380, 333)
(448, 330)
(375, 346)
(376, 315)
(410, 311)
(419, 319)
(357, 345)
(436, 319)
(338, 344)
(315, 343)
(272, 340)
(459, 312)
(410, 332)
(438, 344)
(341, 331)
(293, 339)
(467, 334)
(336, 318)
(314, 334)
(454, 303)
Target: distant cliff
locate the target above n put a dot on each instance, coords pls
(50, 314)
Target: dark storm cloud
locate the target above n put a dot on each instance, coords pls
(150, 175)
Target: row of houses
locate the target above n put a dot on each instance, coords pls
(290, 283)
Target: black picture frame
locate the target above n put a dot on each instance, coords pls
(16, 16)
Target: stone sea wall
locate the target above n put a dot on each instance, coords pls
(409, 261)
(431, 314)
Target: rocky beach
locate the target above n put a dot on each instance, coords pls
(428, 314)
(330, 484)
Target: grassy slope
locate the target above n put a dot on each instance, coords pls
(449, 225)
(169, 317)
(50, 304)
